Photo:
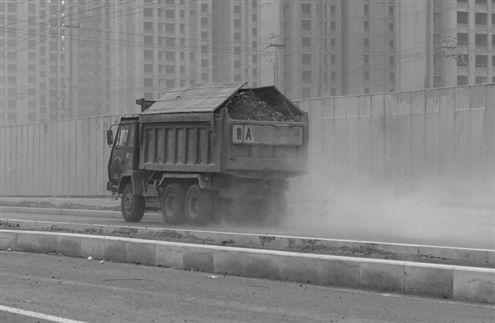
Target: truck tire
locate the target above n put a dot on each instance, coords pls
(172, 203)
(275, 208)
(198, 205)
(132, 205)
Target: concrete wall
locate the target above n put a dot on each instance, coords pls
(395, 139)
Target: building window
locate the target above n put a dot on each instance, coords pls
(169, 13)
(462, 38)
(480, 18)
(437, 81)
(306, 25)
(204, 7)
(391, 10)
(366, 42)
(366, 59)
(366, 9)
(480, 1)
(306, 41)
(462, 17)
(237, 9)
(306, 58)
(366, 25)
(481, 39)
(333, 59)
(481, 60)
(366, 76)
(391, 43)
(306, 76)
(480, 79)
(390, 26)
(148, 12)
(462, 60)
(306, 92)
(306, 8)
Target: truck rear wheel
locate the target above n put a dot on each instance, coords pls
(198, 205)
(132, 205)
(172, 203)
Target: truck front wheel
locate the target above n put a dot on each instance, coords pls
(198, 205)
(172, 203)
(132, 205)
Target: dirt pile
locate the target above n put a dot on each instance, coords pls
(248, 106)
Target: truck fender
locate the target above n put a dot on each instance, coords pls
(136, 181)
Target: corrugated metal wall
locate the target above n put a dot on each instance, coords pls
(393, 139)
(66, 158)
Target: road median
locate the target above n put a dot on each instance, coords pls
(464, 283)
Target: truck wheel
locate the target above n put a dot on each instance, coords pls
(198, 205)
(275, 208)
(132, 205)
(172, 203)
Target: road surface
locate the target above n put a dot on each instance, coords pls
(90, 291)
(463, 228)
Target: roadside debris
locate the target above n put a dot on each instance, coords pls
(212, 276)
(102, 261)
(90, 258)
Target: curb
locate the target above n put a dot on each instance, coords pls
(348, 248)
(444, 281)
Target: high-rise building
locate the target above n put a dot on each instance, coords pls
(464, 42)
(54, 59)
(177, 43)
(302, 46)
(330, 47)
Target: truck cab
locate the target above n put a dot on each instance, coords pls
(124, 157)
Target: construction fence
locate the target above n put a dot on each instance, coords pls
(392, 139)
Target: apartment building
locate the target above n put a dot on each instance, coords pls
(186, 43)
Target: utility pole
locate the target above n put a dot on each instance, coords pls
(275, 66)
(71, 53)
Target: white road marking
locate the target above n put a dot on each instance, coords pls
(37, 315)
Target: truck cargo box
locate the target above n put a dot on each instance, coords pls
(231, 129)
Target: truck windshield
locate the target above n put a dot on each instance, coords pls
(126, 136)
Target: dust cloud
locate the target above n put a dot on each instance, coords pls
(449, 212)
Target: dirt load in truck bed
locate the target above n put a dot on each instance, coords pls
(248, 106)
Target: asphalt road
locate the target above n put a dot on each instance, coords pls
(90, 291)
(466, 228)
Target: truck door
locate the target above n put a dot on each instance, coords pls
(125, 150)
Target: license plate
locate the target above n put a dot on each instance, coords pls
(267, 135)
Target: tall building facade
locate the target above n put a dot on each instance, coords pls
(54, 59)
(331, 47)
(301, 46)
(464, 42)
(177, 43)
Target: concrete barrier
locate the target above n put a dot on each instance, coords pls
(446, 281)
(367, 249)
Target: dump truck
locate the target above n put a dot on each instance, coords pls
(209, 152)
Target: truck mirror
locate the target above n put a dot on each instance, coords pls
(109, 137)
